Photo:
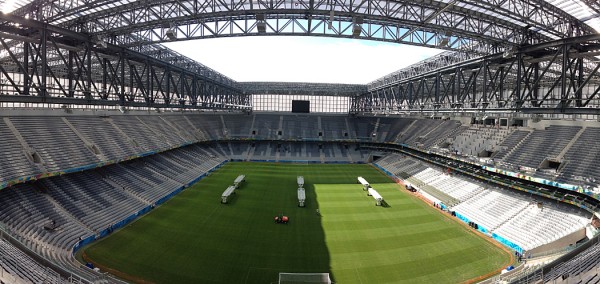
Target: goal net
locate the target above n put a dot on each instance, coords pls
(295, 278)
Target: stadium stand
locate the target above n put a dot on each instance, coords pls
(578, 165)
(476, 139)
(299, 127)
(25, 211)
(238, 126)
(583, 268)
(542, 144)
(50, 138)
(51, 215)
(17, 263)
(440, 133)
(509, 215)
(510, 143)
(236, 150)
(13, 156)
(109, 141)
(417, 131)
(162, 129)
(209, 127)
(534, 226)
(389, 128)
(335, 127)
(138, 135)
(266, 126)
(90, 199)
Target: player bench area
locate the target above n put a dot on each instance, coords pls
(301, 191)
(376, 196)
(239, 180)
(371, 191)
(316, 278)
(301, 197)
(364, 183)
(227, 194)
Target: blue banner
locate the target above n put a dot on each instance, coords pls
(507, 243)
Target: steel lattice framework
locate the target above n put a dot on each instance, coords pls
(470, 29)
(560, 76)
(292, 88)
(594, 5)
(481, 26)
(40, 63)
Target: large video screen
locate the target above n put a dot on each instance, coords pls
(300, 106)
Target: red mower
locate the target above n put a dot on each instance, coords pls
(281, 219)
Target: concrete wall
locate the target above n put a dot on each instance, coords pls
(565, 241)
(545, 123)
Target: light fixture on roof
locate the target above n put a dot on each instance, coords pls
(261, 25)
(509, 52)
(99, 41)
(356, 27)
(171, 33)
(445, 40)
(330, 23)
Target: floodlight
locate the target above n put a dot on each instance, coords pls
(509, 52)
(443, 42)
(99, 41)
(356, 30)
(171, 34)
(261, 27)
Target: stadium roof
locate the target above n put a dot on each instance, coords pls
(588, 11)
(68, 12)
(472, 27)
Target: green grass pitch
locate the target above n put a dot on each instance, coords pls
(193, 238)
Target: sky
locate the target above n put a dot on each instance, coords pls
(302, 58)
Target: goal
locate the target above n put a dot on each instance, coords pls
(295, 278)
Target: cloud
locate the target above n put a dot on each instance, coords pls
(302, 59)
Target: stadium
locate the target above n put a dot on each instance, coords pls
(123, 160)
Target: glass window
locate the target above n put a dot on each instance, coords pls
(319, 104)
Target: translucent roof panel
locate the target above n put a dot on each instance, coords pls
(7, 6)
(579, 10)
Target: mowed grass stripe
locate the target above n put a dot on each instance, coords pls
(195, 239)
(458, 263)
(376, 233)
(417, 254)
(374, 216)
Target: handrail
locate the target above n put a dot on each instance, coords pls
(65, 272)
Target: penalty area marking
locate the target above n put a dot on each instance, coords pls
(255, 268)
(358, 274)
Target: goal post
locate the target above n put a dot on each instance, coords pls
(298, 278)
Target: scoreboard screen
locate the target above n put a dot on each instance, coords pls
(300, 106)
